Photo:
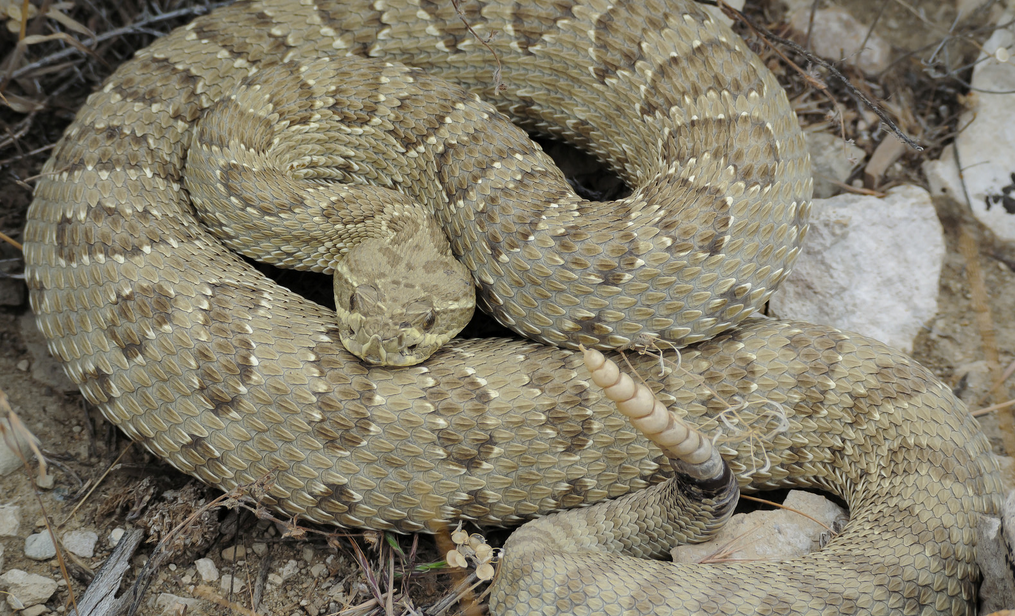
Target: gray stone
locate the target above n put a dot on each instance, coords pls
(206, 569)
(26, 589)
(10, 520)
(171, 605)
(45, 369)
(769, 535)
(832, 160)
(81, 542)
(10, 461)
(231, 584)
(1, 557)
(837, 35)
(114, 536)
(869, 265)
(995, 539)
(289, 569)
(40, 546)
(986, 145)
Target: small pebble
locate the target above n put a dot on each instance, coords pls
(35, 610)
(23, 365)
(10, 520)
(233, 553)
(289, 569)
(115, 535)
(45, 482)
(81, 542)
(308, 554)
(260, 548)
(206, 569)
(76, 429)
(275, 579)
(231, 584)
(318, 570)
(40, 546)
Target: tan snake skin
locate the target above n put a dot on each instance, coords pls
(230, 377)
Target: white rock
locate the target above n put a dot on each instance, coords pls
(40, 546)
(995, 540)
(986, 145)
(769, 535)
(837, 35)
(868, 265)
(26, 589)
(35, 610)
(81, 542)
(289, 569)
(206, 569)
(10, 520)
(114, 536)
(319, 570)
(832, 160)
(717, 12)
(231, 584)
(171, 605)
(9, 460)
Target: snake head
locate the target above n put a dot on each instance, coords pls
(402, 315)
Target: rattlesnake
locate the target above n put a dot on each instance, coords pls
(231, 378)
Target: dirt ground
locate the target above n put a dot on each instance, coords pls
(319, 574)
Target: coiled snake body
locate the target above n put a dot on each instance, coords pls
(230, 377)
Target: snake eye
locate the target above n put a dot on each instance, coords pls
(429, 320)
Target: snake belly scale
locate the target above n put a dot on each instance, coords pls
(230, 378)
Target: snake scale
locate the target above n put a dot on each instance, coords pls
(230, 377)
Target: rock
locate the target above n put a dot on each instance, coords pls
(231, 584)
(206, 569)
(45, 482)
(114, 536)
(319, 570)
(869, 265)
(260, 548)
(9, 460)
(35, 610)
(717, 12)
(995, 539)
(289, 569)
(1, 557)
(986, 145)
(234, 553)
(80, 542)
(26, 589)
(308, 554)
(769, 535)
(832, 160)
(10, 520)
(837, 35)
(45, 369)
(40, 546)
(171, 605)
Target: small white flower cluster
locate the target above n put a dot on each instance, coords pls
(472, 548)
